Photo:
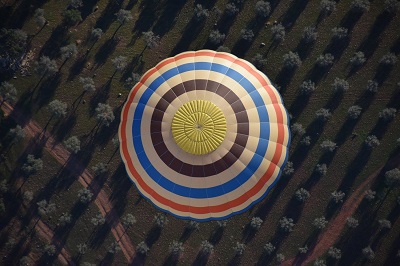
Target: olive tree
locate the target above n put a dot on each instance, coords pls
(372, 86)
(372, 141)
(87, 84)
(278, 32)
(82, 248)
(321, 169)
(142, 248)
(320, 222)
(132, 80)
(358, 59)
(45, 208)
(176, 248)
(352, 222)
(32, 165)
(288, 169)
(119, 63)
(49, 250)
(206, 247)
(57, 108)
(389, 59)
(297, 129)
(64, 219)
(360, 6)
(370, 195)
(309, 34)
(192, 225)
(222, 223)
(27, 196)
(71, 17)
(328, 146)
(73, 144)
(384, 224)
(301, 194)
(307, 87)
(128, 220)
(291, 60)
(16, 134)
(263, 9)
(279, 258)
(85, 195)
(239, 248)
(152, 40)
(334, 253)
(319, 262)
(392, 6)
(68, 51)
(325, 60)
(104, 114)
(200, 12)
(123, 16)
(100, 168)
(387, 114)
(45, 67)
(96, 34)
(354, 112)
(286, 224)
(223, 49)
(269, 248)
(216, 37)
(7, 92)
(303, 250)
(247, 35)
(368, 253)
(98, 220)
(114, 248)
(327, 7)
(231, 9)
(39, 18)
(259, 61)
(256, 223)
(160, 220)
(75, 3)
(323, 114)
(338, 196)
(340, 33)
(305, 141)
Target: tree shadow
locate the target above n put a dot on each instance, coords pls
(382, 73)
(87, 8)
(284, 78)
(167, 19)
(105, 51)
(350, 19)
(355, 168)
(77, 67)
(293, 13)
(107, 17)
(153, 235)
(201, 259)
(192, 30)
(298, 106)
(99, 235)
(64, 127)
(241, 47)
(15, 16)
(47, 90)
(371, 42)
(58, 38)
(148, 15)
(186, 234)
(216, 235)
(235, 260)
(303, 49)
(317, 73)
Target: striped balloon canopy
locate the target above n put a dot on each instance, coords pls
(204, 135)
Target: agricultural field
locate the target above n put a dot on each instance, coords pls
(66, 69)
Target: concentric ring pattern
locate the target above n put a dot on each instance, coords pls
(252, 138)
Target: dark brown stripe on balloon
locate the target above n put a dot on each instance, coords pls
(200, 170)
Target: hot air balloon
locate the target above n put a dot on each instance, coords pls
(204, 135)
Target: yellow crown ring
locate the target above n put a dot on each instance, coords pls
(199, 127)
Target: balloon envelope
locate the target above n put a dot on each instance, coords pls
(204, 135)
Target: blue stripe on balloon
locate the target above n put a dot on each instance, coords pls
(209, 192)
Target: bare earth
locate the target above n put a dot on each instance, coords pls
(58, 151)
